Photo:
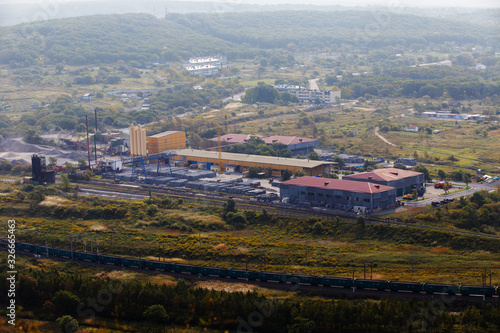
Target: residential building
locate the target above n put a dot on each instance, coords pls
(411, 128)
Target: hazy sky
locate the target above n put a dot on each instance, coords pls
(392, 3)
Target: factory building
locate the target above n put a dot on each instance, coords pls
(297, 145)
(242, 162)
(339, 194)
(137, 140)
(403, 180)
(166, 141)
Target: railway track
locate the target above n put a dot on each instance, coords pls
(199, 197)
(343, 288)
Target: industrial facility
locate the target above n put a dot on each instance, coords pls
(297, 145)
(166, 141)
(242, 163)
(137, 140)
(403, 180)
(346, 195)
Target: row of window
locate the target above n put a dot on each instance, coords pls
(329, 196)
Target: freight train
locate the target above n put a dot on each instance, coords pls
(381, 285)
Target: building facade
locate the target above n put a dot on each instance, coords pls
(242, 162)
(339, 194)
(166, 141)
(404, 181)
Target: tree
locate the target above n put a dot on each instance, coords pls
(299, 173)
(340, 162)
(466, 179)
(67, 324)
(424, 170)
(318, 228)
(82, 163)
(66, 301)
(156, 313)
(302, 325)
(400, 166)
(441, 174)
(229, 207)
(5, 165)
(65, 185)
(314, 156)
(286, 175)
(52, 161)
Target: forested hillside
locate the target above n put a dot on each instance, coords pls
(307, 30)
(142, 37)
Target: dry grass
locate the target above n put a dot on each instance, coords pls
(224, 286)
(54, 201)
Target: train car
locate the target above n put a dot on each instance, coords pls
(307, 279)
(405, 286)
(157, 266)
(110, 260)
(130, 262)
(181, 268)
(268, 276)
(63, 253)
(449, 289)
(222, 272)
(477, 290)
(26, 247)
(252, 275)
(85, 256)
(237, 273)
(336, 282)
(370, 284)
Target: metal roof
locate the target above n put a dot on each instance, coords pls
(161, 135)
(387, 175)
(295, 162)
(287, 140)
(338, 184)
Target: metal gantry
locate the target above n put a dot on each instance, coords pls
(139, 161)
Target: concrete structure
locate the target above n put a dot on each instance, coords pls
(205, 70)
(403, 180)
(242, 162)
(341, 194)
(206, 66)
(297, 145)
(166, 141)
(309, 95)
(137, 140)
(452, 116)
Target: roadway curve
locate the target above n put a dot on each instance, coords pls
(382, 138)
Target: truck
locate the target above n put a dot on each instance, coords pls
(441, 184)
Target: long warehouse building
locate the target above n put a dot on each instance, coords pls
(340, 194)
(242, 162)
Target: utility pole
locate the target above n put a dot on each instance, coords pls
(371, 270)
(95, 136)
(364, 270)
(88, 145)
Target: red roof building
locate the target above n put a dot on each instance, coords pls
(403, 180)
(340, 194)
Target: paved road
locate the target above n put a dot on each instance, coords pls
(313, 84)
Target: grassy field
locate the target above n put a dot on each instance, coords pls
(196, 233)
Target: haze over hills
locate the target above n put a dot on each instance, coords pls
(109, 38)
(14, 13)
